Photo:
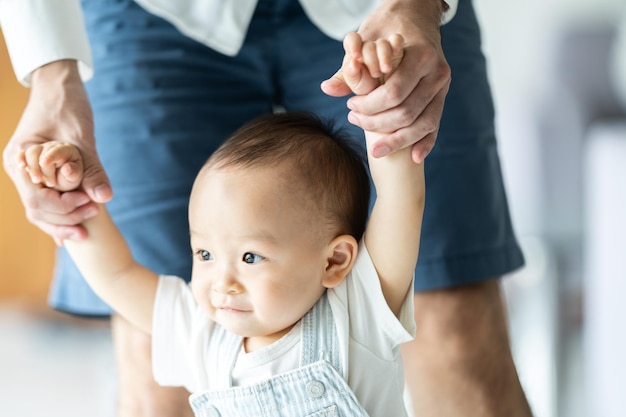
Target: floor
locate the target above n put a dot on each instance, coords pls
(57, 366)
(54, 366)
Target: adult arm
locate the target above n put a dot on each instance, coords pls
(408, 107)
(48, 47)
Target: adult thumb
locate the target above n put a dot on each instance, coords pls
(336, 85)
(95, 180)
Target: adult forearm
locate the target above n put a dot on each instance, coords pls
(58, 95)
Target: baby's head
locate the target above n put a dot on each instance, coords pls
(275, 216)
(319, 164)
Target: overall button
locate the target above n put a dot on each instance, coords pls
(211, 411)
(315, 389)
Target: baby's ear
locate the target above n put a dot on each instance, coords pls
(342, 252)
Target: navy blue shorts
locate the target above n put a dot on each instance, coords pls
(162, 103)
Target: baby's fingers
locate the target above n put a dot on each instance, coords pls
(52, 158)
(30, 162)
(397, 44)
(396, 41)
(353, 45)
(71, 172)
(63, 166)
(390, 52)
(371, 56)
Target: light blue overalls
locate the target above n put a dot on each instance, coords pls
(315, 389)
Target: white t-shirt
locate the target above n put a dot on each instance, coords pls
(187, 344)
(41, 31)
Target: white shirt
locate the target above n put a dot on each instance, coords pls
(186, 344)
(41, 31)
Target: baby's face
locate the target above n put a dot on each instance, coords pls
(259, 255)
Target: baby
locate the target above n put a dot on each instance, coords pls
(295, 306)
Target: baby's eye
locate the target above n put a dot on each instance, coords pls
(251, 258)
(204, 255)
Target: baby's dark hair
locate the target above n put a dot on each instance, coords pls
(326, 161)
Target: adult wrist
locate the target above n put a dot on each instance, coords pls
(428, 12)
(57, 73)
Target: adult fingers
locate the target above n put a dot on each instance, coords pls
(30, 157)
(421, 133)
(95, 180)
(421, 74)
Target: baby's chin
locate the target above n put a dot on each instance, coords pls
(235, 321)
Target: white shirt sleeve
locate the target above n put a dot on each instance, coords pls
(172, 330)
(449, 14)
(38, 32)
(371, 322)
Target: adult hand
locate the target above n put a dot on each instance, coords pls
(58, 109)
(408, 106)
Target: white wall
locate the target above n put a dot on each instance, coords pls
(520, 42)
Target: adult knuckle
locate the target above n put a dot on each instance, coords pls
(31, 202)
(397, 141)
(430, 124)
(405, 116)
(394, 94)
(93, 170)
(444, 73)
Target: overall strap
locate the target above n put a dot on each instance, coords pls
(319, 335)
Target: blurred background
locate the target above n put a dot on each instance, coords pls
(558, 72)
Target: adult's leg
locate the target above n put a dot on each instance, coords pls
(460, 362)
(139, 395)
(162, 103)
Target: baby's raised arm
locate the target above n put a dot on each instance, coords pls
(393, 232)
(104, 258)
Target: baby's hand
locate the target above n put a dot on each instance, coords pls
(53, 164)
(368, 64)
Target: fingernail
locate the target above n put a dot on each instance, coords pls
(380, 151)
(102, 192)
(352, 118)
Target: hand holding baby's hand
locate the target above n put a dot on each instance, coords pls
(53, 164)
(367, 64)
